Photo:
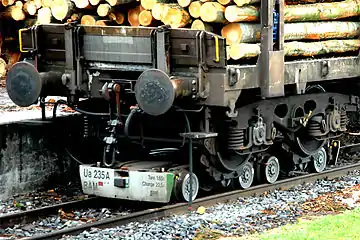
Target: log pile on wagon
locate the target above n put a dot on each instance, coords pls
(330, 23)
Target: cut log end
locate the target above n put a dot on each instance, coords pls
(14, 58)
(103, 23)
(224, 2)
(212, 12)
(30, 8)
(241, 33)
(82, 4)
(37, 3)
(19, 4)
(15, 13)
(118, 17)
(145, 18)
(94, 2)
(118, 2)
(148, 4)
(176, 17)
(44, 16)
(200, 25)
(232, 33)
(159, 9)
(2, 68)
(61, 9)
(184, 3)
(18, 14)
(103, 10)
(133, 16)
(5, 3)
(194, 9)
(46, 3)
(89, 20)
(112, 2)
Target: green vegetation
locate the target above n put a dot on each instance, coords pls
(207, 234)
(343, 226)
(340, 227)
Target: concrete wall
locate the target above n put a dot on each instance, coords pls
(33, 156)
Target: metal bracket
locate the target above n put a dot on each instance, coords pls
(162, 46)
(324, 68)
(79, 57)
(300, 86)
(34, 30)
(202, 67)
(334, 151)
(232, 105)
(233, 76)
(71, 70)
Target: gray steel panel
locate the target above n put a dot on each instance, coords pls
(118, 49)
(301, 71)
(189, 57)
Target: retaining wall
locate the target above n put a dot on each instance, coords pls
(33, 156)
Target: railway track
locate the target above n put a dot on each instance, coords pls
(12, 219)
(92, 205)
(142, 212)
(159, 212)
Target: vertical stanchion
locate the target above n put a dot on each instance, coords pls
(188, 128)
(190, 136)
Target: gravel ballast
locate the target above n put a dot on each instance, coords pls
(246, 215)
(34, 200)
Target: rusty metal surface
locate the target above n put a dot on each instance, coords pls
(192, 54)
(303, 71)
(165, 211)
(119, 44)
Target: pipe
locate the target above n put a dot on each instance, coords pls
(91, 113)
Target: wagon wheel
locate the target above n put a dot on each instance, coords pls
(182, 186)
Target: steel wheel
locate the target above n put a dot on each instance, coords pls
(182, 186)
(246, 177)
(319, 160)
(272, 169)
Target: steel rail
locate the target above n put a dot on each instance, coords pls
(23, 217)
(169, 210)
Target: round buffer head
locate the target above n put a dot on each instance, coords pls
(154, 92)
(23, 84)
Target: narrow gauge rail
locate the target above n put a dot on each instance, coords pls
(23, 217)
(178, 208)
(28, 216)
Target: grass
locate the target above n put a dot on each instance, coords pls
(207, 234)
(340, 227)
(345, 226)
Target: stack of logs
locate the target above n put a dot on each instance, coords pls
(236, 20)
